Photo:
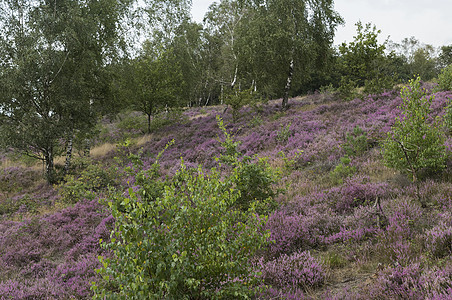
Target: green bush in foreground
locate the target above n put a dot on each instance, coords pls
(184, 238)
(413, 144)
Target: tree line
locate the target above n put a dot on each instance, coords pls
(66, 63)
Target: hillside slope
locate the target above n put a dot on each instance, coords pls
(368, 231)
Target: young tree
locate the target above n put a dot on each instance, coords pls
(413, 144)
(364, 62)
(52, 70)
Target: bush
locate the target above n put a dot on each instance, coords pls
(188, 237)
(356, 142)
(238, 99)
(284, 133)
(342, 171)
(92, 180)
(413, 144)
(252, 177)
(445, 79)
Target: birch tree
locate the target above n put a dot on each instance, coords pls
(53, 55)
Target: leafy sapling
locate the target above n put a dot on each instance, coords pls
(413, 144)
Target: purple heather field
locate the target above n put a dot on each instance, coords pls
(331, 240)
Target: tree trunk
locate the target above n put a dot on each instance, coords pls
(50, 170)
(67, 163)
(285, 100)
(149, 123)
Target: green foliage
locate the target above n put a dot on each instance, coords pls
(252, 177)
(413, 144)
(93, 179)
(284, 133)
(290, 164)
(238, 99)
(182, 238)
(364, 63)
(356, 142)
(132, 122)
(256, 121)
(164, 119)
(347, 89)
(445, 79)
(153, 82)
(11, 205)
(342, 171)
(53, 80)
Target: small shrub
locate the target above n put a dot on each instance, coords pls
(238, 99)
(18, 203)
(342, 171)
(400, 282)
(132, 122)
(356, 142)
(256, 121)
(253, 177)
(284, 133)
(167, 118)
(413, 144)
(186, 243)
(92, 180)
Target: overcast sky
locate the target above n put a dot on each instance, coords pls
(428, 21)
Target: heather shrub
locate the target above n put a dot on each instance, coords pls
(413, 144)
(298, 269)
(445, 79)
(399, 241)
(15, 179)
(438, 282)
(438, 240)
(291, 231)
(355, 192)
(185, 239)
(399, 282)
(342, 171)
(448, 117)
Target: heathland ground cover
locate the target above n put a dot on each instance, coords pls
(341, 224)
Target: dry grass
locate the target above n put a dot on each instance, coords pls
(143, 139)
(199, 116)
(7, 163)
(102, 150)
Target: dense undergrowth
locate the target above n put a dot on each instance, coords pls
(346, 227)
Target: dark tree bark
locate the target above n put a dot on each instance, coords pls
(285, 100)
